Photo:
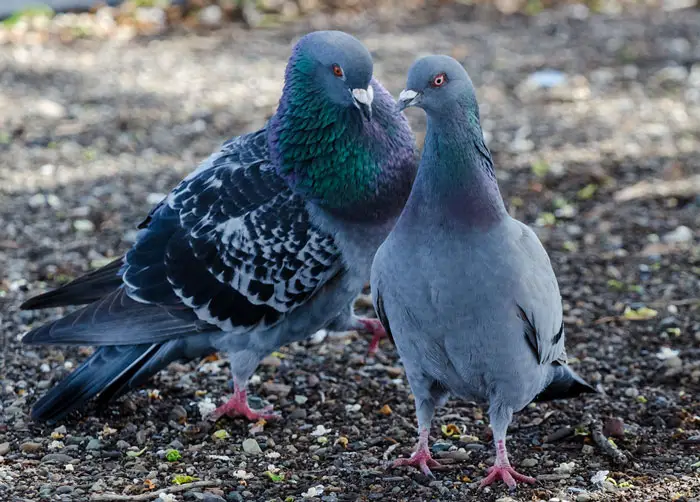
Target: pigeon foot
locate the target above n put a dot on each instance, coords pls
(506, 473)
(420, 460)
(375, 327)
(238, 406)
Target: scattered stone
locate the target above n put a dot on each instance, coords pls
(98, 486)
(673, 362)
(614, 427)
(85, 226)
(176, 445)
(210, 497)
(76, 440)
(56, 458)
(271, 362)
(30, 447)
(94, 444)
(50, 109)
(529, 462)
(251, 447)
(211, 16)
(439, 446)
(679, 235)
(178, 414)
(4, 448)
(298, 414)
(565, 468)
(277, 389)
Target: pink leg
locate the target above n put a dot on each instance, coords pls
(502, 470)
(238, 406)
(375, 327)
(421, 459)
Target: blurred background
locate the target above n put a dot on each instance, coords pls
(592, 112)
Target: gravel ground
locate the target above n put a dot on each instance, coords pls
(604, 165)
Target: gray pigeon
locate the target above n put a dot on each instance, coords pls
(468, 291)
(268, 241)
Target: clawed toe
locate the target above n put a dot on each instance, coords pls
(419, 462)
(507, 474)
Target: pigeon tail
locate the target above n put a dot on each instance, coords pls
(565, 384)
(110, 372)
(83, 290)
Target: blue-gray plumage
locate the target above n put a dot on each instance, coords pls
(467, 292)
(268, 241)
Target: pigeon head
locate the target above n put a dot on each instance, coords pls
(337, 137)
(335, 67)
(438, 84)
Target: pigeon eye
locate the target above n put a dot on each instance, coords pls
(337, 70)
(439, 80)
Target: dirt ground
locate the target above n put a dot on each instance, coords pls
(92, 132)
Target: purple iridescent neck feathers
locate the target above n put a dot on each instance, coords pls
(322, 144)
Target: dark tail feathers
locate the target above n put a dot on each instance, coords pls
(86, 289)
(110, 372)
(565, 384)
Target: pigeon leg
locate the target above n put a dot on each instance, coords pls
(421, 458)
(373, 326)
(349, 321)
(238, 406)
(502, 469)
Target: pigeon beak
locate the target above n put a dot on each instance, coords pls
(409, 98)
(362, 98)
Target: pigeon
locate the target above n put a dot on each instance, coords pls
(466, 292)
(268, 241)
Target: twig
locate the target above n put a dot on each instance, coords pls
(677, 303)
(687, 187)
(607, 319)
(389, 450)
(605, 445)
(153, 495)
(558, 435)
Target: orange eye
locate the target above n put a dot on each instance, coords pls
(439, 80)
(337, 70)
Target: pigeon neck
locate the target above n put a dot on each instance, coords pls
(456, 171)
(333, 157)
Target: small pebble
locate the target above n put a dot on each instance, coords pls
(84, 226)
(631, 392)
(57, 458)
(94, 444)
(178, 414)
(30, 447)
(177, 445)
(529, 462)
(251, 447)
(277, 389)
(614, 427)
(680, 234)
